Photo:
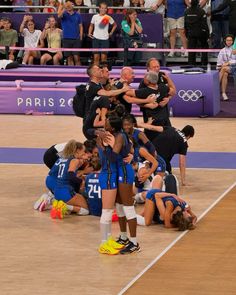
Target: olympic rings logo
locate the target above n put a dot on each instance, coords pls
(190, 95)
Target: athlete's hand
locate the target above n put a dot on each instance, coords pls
(151, 98)
(109, 139)
(125, 88)
(128, 159)
(164, 102)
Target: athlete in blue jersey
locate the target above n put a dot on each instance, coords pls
(121, 150)
(139, 137)
(67, 182)
(93, 189)
(168, 209)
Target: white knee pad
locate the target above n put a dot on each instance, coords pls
(129, 212)
(120, 210)
(106, 216)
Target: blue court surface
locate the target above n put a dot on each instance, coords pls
(194, 159)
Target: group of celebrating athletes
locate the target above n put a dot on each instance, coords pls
(119, 164)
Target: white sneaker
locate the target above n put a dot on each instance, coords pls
(184, 54)
(171, 53)
(225, 97)
(47, 203)
(38, 203)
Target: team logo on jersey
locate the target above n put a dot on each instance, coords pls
(190, 95)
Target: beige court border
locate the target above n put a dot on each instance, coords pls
(176, 240)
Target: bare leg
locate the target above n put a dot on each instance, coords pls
(77, 60)
(183, 37)
(96, 58)
(172, 38)
(70, 60)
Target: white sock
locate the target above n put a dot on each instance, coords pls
(70, 207)
(134, 240)
(83, 211)
(104, 231)
(140, 220)
(123, 235)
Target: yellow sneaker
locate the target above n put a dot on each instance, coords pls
(61, 209)
(111, 242)
(104, 248)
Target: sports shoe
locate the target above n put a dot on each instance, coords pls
(104, 248)
(47, 203)
(171, 54)
(224, 96)
(130, 248)
(61, 209)
(38, 203)
(53, 211)
(114, 244)
(122, 242)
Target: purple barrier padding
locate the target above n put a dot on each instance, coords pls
(189, 88)
(152, 24)
(57, 97)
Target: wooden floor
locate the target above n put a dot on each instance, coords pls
(42, 256)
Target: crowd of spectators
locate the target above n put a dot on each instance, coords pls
(196, 23)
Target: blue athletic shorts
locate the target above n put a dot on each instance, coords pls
(64, 193)
(151, 194)
(161, 164)
(126, 174)
(51, 183)
(108, 181)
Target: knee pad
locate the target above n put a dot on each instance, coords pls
(129, 212)
(120, 210)
(106, 216)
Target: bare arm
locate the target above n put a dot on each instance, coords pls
(60, 10)
(114, 26)
(151, 127)
(112, 92)
(100, 118)
(81, 31)
(182, 167)
(147, 156)
(75, 164)
(90, 30)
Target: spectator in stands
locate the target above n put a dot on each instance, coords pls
(225, 60)
(163, 79)
(21, 3)
(219, 23)
(31, 39)
(52, 3)
(81, 3)
(53, 36)
(8, 37)
(136, 4)
(132, 30)
(117, 3)
(197, 31)
(99, 31)
(72, 28)
(232, 14)
(156, 6)
(175, 18)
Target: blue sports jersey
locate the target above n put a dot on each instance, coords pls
(125, 150)
(107, 165)
(135, 136)
(93, 191)
(62, 174)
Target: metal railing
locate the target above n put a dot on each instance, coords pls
(76, 7)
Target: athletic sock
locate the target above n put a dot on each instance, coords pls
(123, 236)
(134, 240)
(104, 227)
(83, 211)
(140, 220)
(70, 207)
